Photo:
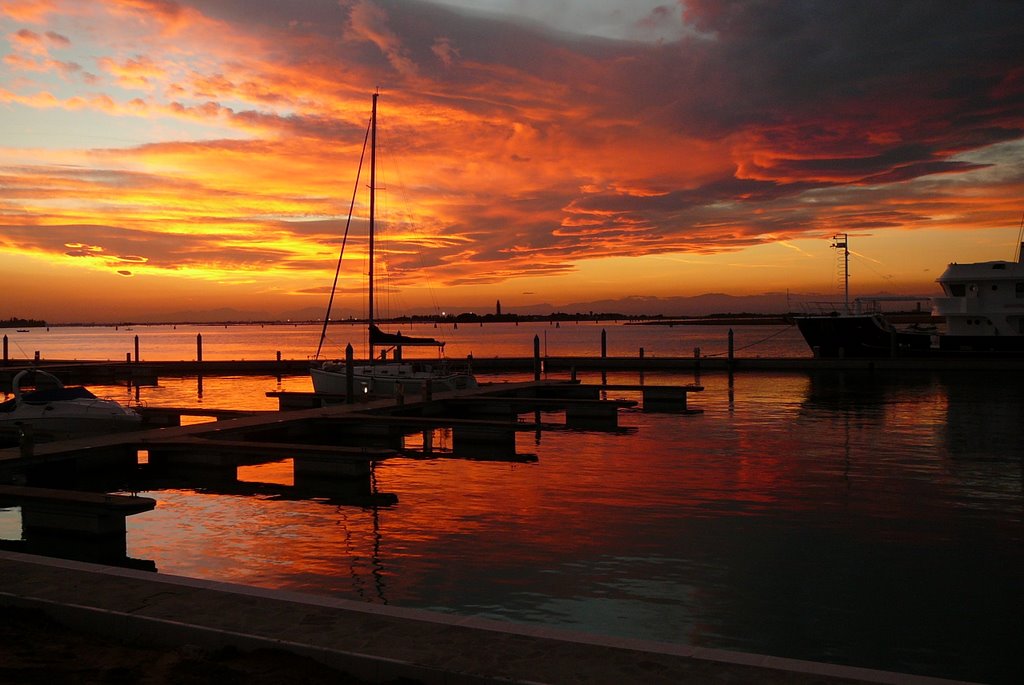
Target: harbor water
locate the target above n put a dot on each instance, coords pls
(848, 517)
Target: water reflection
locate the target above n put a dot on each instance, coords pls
(856, 518)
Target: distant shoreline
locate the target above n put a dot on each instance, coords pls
(740, 319)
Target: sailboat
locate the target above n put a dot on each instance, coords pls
(382, 378)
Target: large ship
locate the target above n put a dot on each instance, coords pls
(981, 311)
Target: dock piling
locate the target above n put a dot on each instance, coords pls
(536, 357)
(350, 375)
(199, 347)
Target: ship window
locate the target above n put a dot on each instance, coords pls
(959, 290)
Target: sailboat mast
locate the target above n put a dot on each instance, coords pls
(373, 191)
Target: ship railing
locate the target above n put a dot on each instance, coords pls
(881, 304)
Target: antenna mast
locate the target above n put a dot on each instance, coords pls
(841, 241)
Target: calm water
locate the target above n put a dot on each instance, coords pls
(300, 341)
(840, 517)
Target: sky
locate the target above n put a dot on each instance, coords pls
(160, 157)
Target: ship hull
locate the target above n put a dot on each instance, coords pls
(869, 335)
(860, 336)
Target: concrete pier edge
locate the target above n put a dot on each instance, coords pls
(23, 579)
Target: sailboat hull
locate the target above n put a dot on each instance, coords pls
(387, 379)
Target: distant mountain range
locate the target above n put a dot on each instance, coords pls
(681, 307)
(695, 306)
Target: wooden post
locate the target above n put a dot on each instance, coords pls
(536, 357)
(199, 347)
(128, 357)
(5, 351)
(37, 355)
(604, 343)
(350, 375)
(136, 349)
(730, 345)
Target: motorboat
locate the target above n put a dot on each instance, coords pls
(53, 411)
(982, 310)
(383, 377)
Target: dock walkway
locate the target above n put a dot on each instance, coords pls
(376, 642)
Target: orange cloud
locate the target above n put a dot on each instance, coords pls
(32, 11)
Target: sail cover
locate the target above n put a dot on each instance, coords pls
(380, 338)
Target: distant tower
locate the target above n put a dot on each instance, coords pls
(498, 308)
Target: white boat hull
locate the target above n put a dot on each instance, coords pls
(68, 419)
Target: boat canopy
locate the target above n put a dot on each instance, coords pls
(379, 338)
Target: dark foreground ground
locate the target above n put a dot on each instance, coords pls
(36, 650)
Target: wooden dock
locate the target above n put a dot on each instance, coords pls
(483, 421)
(333, 446)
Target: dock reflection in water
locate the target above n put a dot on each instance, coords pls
(849, 518)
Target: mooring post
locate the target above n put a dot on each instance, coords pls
(604, 343)
(26, 441)
(127, 357)
(5, 351)
(536, 357)
(136, 349)
(730, 345)
(199, 347)
(350, 375)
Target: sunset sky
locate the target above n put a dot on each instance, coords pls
(162, 156)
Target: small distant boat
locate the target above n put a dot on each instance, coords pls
(22, 330)
(53, 411)
(385, 378)
(982, 309)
